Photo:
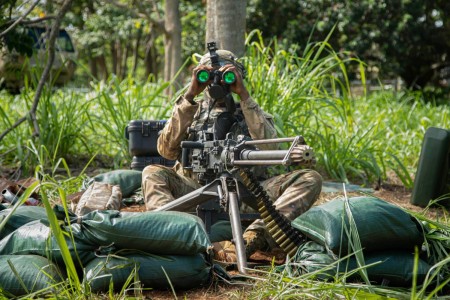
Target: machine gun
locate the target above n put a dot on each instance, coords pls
(218, 164)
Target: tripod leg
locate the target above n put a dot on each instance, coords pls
(236, 229)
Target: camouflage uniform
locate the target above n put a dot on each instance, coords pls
(293, 193)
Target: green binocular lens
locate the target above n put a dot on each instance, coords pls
(229, 77)
(203, 76)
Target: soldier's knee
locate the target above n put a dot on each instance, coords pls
(314, 177)
(156, 173)
(310, 182)
(310, 177)
(152, 169)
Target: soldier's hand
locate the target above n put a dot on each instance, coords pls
(238, 86)
(304, 155)
(196, 87)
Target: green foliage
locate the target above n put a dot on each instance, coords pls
(116, 104)
(129, 39)
(19, 40)
(400, 38)
(355, 138)
(108, 24)
(193, 21)
(310, 96)
(75, 124)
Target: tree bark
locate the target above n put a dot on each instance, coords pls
(101, 60)
(124, 69)
(114, 50)
(172, 43)
(150, 59)
(225, 24)
(136, 52)
(93, 65)
(91, 59)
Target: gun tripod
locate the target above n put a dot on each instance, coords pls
(215, 201)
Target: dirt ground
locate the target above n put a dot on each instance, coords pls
(391, 192)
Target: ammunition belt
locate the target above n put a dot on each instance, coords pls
(279, 227)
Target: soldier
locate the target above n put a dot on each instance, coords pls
(293, 193)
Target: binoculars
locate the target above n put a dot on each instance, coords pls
(204, 76)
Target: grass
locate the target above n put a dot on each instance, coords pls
(356, 138)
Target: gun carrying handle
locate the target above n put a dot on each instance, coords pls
(191, 145)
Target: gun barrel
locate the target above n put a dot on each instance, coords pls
(262, 154)
(261, 162)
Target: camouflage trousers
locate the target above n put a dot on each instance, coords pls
(293, 193)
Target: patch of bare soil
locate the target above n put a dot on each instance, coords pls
(214, 292)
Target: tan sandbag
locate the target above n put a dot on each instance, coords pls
(99, 196)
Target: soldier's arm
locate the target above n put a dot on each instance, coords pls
(175, 131)
(260, 124)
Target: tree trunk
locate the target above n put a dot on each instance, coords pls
(92, 60)
(102, 66)
(136, 52)
(93, 65)
(150, 59)
(124, 69)
(225, 24)
(172, 43)
(113, 46)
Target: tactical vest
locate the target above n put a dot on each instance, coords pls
(218, 121)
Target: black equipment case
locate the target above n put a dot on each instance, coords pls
(432, 180)
(142, 136)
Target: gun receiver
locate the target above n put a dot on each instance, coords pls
(216, 164)
(210, 158)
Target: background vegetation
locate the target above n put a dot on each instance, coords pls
(360, 138)
(303, 60)
(395, 38)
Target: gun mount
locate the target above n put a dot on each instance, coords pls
(219, 164)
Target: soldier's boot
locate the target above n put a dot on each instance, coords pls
(254, 240)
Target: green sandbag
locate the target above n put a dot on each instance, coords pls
(33, 271)
(21, 216)
(35, 238)
(221, 231)
(156, 232)
(153, 271)
(380, 225)
(128, 180)
(391, 267)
